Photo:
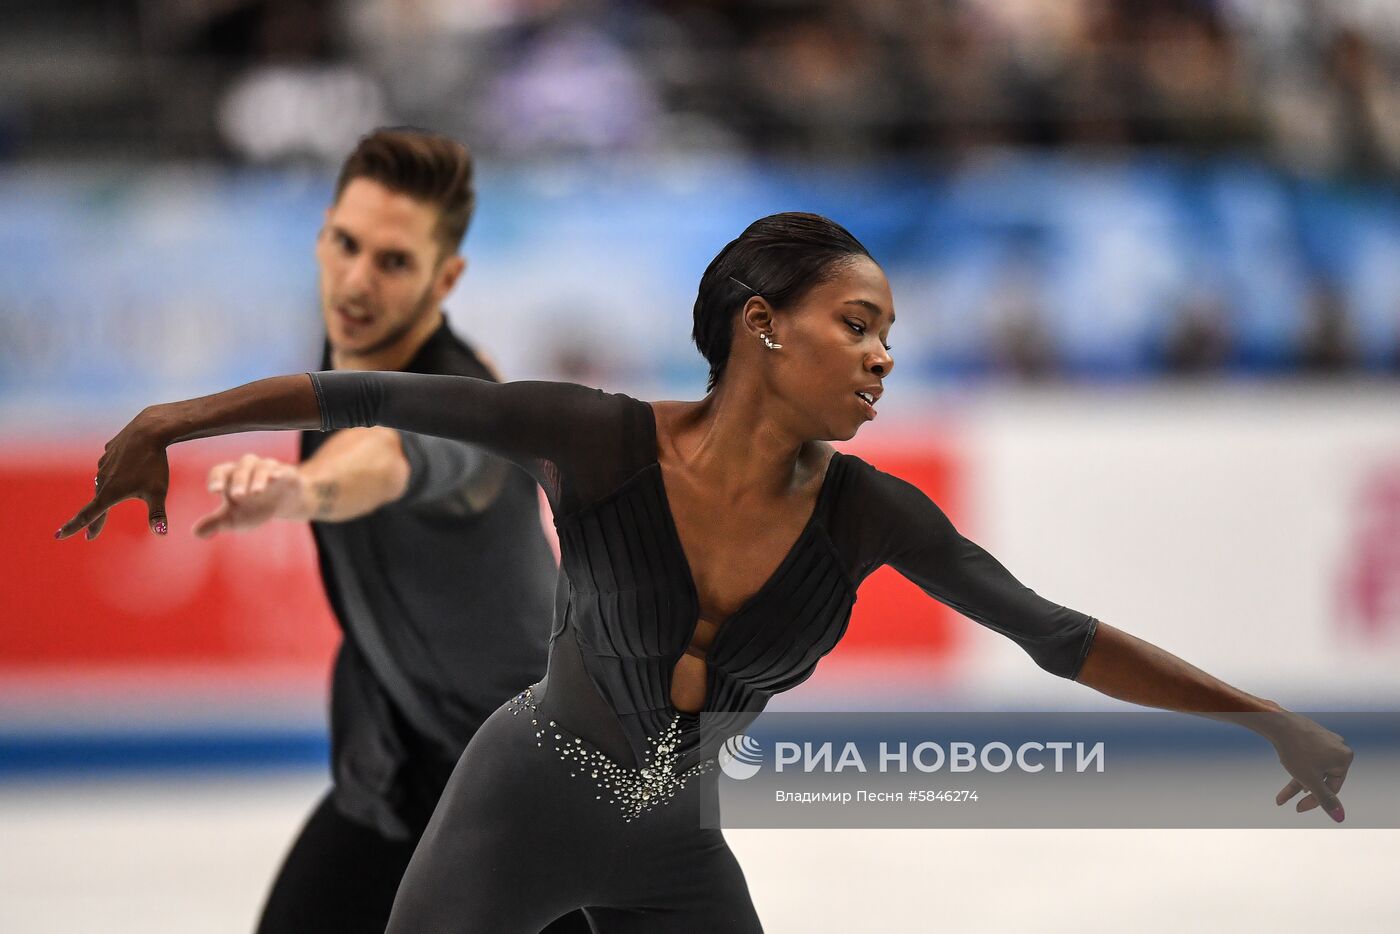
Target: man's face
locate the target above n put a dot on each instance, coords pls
(381, 268)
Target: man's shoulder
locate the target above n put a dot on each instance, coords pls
(447, 353)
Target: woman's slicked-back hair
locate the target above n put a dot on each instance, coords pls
(780, 257)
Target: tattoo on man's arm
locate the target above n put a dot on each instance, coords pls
(326, 492)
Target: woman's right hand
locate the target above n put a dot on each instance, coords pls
(133, 466)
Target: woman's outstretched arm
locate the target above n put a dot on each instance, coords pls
(923, 545)
(1130, 669)
(573, 428)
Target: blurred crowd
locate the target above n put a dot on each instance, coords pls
(1312, 82)
(939, 87)
(1201, 341)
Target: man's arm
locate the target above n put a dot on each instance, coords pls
(355, 472)
(352, 474)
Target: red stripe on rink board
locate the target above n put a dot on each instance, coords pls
(250, 600)
(133, 598)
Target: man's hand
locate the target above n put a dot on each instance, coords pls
(254, 489)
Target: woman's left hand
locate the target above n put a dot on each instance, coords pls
(1317, 759)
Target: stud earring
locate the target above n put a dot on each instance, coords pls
(768, 341)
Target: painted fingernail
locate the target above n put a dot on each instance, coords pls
(1338, 814)
(58, 534)
(160, 527)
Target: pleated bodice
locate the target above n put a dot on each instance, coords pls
(633, 609)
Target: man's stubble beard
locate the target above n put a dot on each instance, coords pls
(423, 307)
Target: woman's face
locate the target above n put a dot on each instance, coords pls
(835, 354)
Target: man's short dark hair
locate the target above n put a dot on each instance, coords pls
(428, 167)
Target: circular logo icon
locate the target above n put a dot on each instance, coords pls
(741, 757)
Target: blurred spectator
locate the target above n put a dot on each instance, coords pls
(962, 72)
(278, 113)
(569, 87)
(1335, 107)
(1193, 76)
(1326, 343)
(295, 98)
(1199, 341)
(1365, 103)
(1021, 345)
(1392, 360)
(819, 87)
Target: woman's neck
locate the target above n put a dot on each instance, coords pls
(739, 438)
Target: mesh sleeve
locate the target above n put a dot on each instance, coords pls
(442, 471)
(579, 443)
(917, 539)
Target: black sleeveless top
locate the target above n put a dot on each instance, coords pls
(632, 606)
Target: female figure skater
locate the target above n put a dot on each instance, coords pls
(713, 550)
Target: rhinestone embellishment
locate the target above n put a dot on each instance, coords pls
(634, 790)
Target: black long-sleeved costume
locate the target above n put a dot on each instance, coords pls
(632, 608)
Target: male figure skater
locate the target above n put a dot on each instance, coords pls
(431, 551)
